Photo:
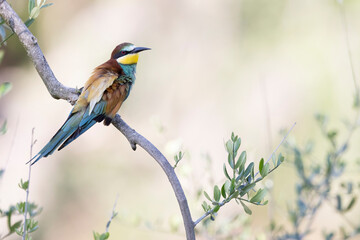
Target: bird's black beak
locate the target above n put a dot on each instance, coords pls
(139, 49)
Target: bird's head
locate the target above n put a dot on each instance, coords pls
(127, 53)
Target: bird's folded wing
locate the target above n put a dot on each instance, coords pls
(95, 87)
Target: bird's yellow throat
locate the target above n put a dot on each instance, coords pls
(128, 59)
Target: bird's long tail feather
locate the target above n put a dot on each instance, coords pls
(76, 124)
(68, 128)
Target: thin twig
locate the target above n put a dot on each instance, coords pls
(28, 187)
(210, 212)
(356, 84)
(269, 135)
(113, 214)
(345, 27)
(278, 146)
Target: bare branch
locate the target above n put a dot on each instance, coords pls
(28, 187)
(59, 91)
(278, 146)
(113, 214)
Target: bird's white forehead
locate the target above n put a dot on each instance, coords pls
(129, 48)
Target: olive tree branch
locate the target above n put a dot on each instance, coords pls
(59, 91)
(230, 197)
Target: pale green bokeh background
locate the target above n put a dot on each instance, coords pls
(213, 68)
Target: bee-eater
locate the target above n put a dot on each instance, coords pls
(100, 99)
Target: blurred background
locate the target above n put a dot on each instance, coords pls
(252, 67)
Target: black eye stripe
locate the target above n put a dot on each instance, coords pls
(121, 53)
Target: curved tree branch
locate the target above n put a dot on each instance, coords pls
(59, 91)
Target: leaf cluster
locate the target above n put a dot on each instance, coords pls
(315, 185)
(177, 158)
(18, 210)
(241, 180)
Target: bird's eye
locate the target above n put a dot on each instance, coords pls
(123, 52)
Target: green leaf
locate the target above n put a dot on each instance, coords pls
(20, 207)
(217, 193)
(237, 145)
(223, 190)
(34, 12)
(207, 196)
(232, 186)
(280, 159)
(19, 231)
(33, 229)
(205, 206)
(31, 5)
(46, 5)
(5, 88)
(260, 194)
(273, 158)
(246, 208)
(23, 185)
(227, 187)
(3, 128)
(249, 169)
(15, 226)
(229, 146)
(351, 204)
(246, 189)
(261, 164)
(226, 173)
(104, 236)
(231, 161)
(29, 22)
(338, 202)
(242, 160)
(332, 134)
(96, 236)
(265, 170)
(216, 208)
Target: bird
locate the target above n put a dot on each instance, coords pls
(100, 98)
